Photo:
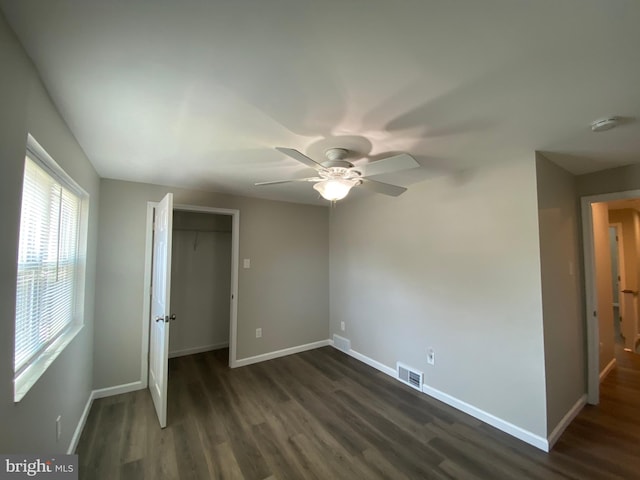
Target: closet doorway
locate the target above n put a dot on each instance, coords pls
(200, 286)
(189, 296)
(232, 280)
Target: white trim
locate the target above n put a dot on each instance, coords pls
(606, 370)
(99, 393)
(369, 361)
(591, 299)
(53, 168)
(373, 363)
(118, 389)
(566, 420)
(235, 260)
(282, 353)
(80, 427)
(193, 350)
(507, 427)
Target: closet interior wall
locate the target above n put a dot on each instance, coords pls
(200, 282)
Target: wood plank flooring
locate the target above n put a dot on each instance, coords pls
(323, 415)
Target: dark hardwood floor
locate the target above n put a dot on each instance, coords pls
(324, 415)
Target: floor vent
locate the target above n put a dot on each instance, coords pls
(341, 343)
(411, 377)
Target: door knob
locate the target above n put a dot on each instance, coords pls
(159, 319)
(172, 317)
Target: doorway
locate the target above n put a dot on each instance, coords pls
(609, 222)
(200, 286)
(230, 292)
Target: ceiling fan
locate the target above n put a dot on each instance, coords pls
(336, 176)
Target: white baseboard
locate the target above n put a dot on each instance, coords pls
(194, 350)
(607, 369)
(507, 427)
(78, 431)
(118, 389)
(369, 361)
(566, 420)
(513, 430)
(100, 393)
(280, 353)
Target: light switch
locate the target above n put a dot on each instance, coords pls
(246, 263)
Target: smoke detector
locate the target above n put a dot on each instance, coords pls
(604, 124)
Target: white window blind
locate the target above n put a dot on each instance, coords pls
(47, 262)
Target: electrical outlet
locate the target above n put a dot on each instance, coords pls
(58, 427)
(431, 357)
(342, 326)
(258, 333)
(246, 263)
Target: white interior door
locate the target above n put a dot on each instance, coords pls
(160, 316)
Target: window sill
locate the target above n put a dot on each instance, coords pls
(27, 379)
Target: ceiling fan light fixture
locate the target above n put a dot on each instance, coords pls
(337, 176)
(335, 189)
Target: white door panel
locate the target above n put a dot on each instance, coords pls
(160, 307)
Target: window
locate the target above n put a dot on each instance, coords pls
(50, 280)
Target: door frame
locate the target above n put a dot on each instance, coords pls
(235, 255)
(591, 303)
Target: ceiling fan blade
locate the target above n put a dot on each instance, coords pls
(296, 155)
(384, 188)
(388, 165)
(275, 182)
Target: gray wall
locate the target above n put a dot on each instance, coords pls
(285, 292)
(29, 426)
(609, 181)
(561, 271)
(452, 264)
(200, 282)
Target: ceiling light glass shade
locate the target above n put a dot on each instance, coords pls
(335, 189)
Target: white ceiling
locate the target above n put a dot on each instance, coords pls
(198, 93)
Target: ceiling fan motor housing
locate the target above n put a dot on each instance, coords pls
(336, 159)
(336, 153)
